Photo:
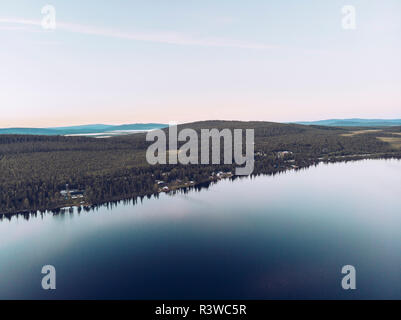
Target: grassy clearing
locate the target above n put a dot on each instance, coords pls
(394, 142)
(353, 133)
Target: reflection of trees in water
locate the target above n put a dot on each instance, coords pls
(109, 204)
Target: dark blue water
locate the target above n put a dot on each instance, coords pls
(283, 237)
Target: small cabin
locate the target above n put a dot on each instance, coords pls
(282, 154)
(73, 194)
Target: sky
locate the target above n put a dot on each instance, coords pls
(163, 61)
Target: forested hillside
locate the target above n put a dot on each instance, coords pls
(34, 169)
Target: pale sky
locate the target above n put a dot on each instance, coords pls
(179, 61)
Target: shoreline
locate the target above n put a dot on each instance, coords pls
(86, 206)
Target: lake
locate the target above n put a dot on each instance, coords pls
(285, 236)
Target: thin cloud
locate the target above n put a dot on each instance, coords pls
(162, 37)
(14, 28)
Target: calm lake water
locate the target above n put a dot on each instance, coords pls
(285, 236)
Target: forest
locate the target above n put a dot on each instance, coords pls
(35, 169)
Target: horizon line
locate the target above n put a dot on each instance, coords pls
(185, 122)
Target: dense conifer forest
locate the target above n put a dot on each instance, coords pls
(34, 169)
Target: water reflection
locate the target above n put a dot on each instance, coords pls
(285, 236)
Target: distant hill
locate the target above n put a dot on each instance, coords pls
(105, 130)
(91, 129)
(354, 122)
